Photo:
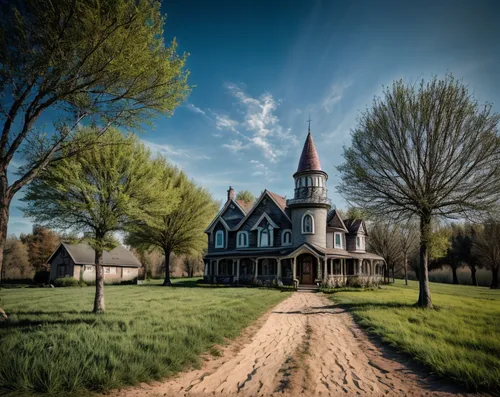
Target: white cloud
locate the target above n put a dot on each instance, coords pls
(334, 95)
(176, 155)
(261, 126)
(235, 145)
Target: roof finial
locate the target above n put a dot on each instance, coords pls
(309, 121)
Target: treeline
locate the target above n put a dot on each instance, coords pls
(451, 247)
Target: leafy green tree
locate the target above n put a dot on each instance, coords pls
(246, 196)
(486, 247)
(424, 151)
(96, 62)
(41, 244)
(182, 230)
(99, 192)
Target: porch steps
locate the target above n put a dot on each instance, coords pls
(307, 288)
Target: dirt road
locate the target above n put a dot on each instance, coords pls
(304, 346)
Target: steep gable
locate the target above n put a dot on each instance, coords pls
(231, 215)
(334, 220)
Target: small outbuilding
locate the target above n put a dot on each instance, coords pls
(77, 261)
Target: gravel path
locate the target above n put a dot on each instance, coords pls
(304, 346)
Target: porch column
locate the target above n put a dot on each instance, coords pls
(238, 269)
(232, 267)
(360, 266)
(217, 267)
(331, 266)
(319, 268)
(205, 270)
(325, 263)
(371, 267)
(256, 267)
(278, 268)
(294, 269)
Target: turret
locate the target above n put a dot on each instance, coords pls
(310, 205)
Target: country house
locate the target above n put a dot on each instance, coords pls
(78, 261)
(298, 239)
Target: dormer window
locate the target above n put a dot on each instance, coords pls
(360, 242)
(307, 224)
(286, 238)
(219, 239)
(338, 240)
(242, 239)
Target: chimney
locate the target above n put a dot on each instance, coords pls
(230, 194)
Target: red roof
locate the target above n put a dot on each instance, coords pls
(280, 200)
(309, 160)
(245, 205)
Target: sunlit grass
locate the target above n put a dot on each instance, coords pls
(53, 345)
(460, 339)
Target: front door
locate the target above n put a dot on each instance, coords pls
(307, 270)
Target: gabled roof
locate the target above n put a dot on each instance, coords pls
(334, 220)
(309, 159)
(219, 215)
(355, 226)
(245, 205)
(264, 215)
(277, 199)
(84, 254)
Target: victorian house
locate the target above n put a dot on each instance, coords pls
(299, 239)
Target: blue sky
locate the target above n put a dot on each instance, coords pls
(261, 67)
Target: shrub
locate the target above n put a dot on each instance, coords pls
(41, 277)
(66, 282)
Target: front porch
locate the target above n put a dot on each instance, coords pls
(304, 266)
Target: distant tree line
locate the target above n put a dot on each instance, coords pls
(451, 246)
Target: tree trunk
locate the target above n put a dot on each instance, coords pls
(473, 274)
(4, 221)
(424, 298)
(455, 277)
(406, 269)
(167, 281)
(494, 277)
(392, 271)
(99, 283)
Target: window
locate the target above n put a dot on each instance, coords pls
(309, 181)
(219, 239)
(61, 270)
(265, 237)
(286, 237)
(360, 243)
(307, 224)
(338, 240)
(242, 239)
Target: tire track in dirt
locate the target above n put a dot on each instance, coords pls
(306, 346)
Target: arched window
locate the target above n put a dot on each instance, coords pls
(307, 224)
(242, 239)
(297, 183)
(309, 181)
(265, 237)
(219, 239)
(286, 237)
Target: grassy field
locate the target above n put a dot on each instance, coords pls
(53, 345)
(459, 340)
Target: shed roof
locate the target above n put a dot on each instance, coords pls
(84, 254)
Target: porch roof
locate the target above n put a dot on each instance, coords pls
(245, 253)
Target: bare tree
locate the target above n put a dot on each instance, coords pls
(385, 241)
(408, 237)
(192, 264)
(424, 151)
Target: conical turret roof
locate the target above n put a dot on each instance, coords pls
(309, 159)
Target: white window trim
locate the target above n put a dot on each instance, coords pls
(238, 245)
(361, 245)
(283, 237)
(302, 223)
(335, 240)
(271, 236)
(223, 239)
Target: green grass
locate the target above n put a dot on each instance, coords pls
(460, 339)
(53, 345)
